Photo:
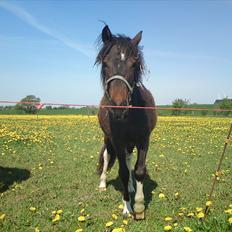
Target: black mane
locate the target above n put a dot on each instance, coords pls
(123, 42)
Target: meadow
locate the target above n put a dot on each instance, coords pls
(48, 179)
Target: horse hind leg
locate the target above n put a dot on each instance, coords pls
(140, 172)
(104, 163)
(129, 157)
(124, 176)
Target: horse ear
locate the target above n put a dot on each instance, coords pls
(135, 41)
(106, 34)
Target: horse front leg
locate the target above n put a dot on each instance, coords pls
(124, 176)
(140, 173)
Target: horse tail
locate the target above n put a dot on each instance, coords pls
(112, 156)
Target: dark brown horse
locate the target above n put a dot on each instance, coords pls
(124, 129)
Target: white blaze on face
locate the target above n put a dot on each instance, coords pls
(123, 57)
(105, 165)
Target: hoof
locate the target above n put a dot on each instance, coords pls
(139, 216)
(102, 189)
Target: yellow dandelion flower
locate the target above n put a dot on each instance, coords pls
(54, 212)
(161, 196)
(177, 195)
(56, 218)
(60, 211)
(230, 220)
(199, 209)
(200, 215)
(180, 214)
(81, 218)
(33, 209)
(228, 211)
(230, 206)
(79, 230)
(208, 203)
(187, 229)
(125, 222)
(110, 223)
(37, 229)
(167, 228)
(2, 216)
(121, 206)
(119, 230)
(114, 216)
(175, 224)
(190, 214)
(168, 219)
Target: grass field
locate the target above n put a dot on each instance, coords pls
(48, 178)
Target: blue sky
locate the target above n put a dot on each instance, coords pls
(47, 48)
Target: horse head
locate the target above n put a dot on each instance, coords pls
(122, 66)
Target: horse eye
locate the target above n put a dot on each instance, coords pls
(105, 64)
(132, 63)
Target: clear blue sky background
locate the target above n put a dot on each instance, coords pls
(47, 48)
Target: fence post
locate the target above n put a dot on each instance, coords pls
(218, 168)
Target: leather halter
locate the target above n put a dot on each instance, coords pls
(121, 78)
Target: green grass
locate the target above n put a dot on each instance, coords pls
(50, 164)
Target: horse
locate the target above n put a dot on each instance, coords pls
(124, 128)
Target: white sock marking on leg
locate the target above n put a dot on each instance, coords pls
(127, 207)
(139, 198)
(106, 159)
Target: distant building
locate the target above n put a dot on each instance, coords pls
(219, 101)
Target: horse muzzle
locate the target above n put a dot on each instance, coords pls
(117, 112)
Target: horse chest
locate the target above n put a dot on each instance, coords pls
(126, 132)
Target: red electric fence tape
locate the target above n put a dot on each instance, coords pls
(41, 105)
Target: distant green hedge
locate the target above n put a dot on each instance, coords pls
(94, 111)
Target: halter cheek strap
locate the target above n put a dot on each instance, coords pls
(118, 78)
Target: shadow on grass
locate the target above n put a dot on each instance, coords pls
(10, 175)
(148, 186)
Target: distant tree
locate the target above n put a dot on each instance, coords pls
(179, 103)
(225, 104)
(28, 104)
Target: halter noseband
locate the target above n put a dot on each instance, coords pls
(118, 77)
